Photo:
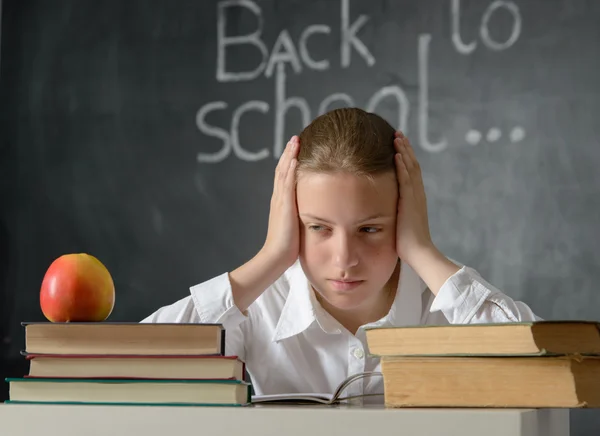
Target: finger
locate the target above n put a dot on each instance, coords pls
(279, 171)
(293, 162)
(290, 179)
(403, 176)
(285, 159)
(410, 160)
(285, 156)
(280, 162)
(415, 168)
(411, 152)
(295, 146)
(406, 157)
(398, 134)
(400, 145)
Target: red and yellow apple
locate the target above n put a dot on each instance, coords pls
(77, 287)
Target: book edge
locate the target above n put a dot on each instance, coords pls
(15, 402)
(500, 324)
(125, 380)
(26, 323)
(28, 355)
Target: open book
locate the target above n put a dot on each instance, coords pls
(316, 398)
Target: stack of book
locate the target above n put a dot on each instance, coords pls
(538, 364)
(129, 363)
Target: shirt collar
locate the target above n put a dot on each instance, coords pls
(302, 309)
(408, 303)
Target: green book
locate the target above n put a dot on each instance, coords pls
(158, 392)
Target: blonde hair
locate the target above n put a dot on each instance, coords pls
(347, 140)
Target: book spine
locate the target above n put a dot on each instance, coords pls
(222, 343)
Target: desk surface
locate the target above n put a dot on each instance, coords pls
(77, 420)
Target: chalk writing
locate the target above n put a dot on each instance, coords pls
(468, 48)
(349, 38)
(287, 56)
(423, 98)
(474, 137)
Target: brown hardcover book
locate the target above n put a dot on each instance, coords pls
(526, 338)
(89, 366)
(124, 338)
(549, 381)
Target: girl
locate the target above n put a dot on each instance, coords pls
(348, 247)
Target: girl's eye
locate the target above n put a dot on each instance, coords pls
(370, 229)
(316, 228)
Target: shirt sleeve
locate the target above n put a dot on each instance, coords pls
(466, 298)
(209, 302)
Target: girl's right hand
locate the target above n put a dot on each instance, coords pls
(283, 235)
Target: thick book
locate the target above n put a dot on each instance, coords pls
(531, 382)
(518, 338)
(124, 338)
(139, 392)
(135, 366)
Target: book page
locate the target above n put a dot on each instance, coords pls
(316, 397)
(292, 398)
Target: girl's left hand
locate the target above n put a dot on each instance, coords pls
(412, 228)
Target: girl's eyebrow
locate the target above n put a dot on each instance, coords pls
(316, 218)
(369, 218)
(376, 217)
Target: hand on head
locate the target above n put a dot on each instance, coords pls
(365, 227)
(283, 239)
(412, 233)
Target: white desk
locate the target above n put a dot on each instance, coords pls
(72, 420)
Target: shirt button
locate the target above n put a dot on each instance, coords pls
(358, 353)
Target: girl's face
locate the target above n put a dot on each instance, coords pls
(348, 236)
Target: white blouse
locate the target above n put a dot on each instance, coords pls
(292, 345)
